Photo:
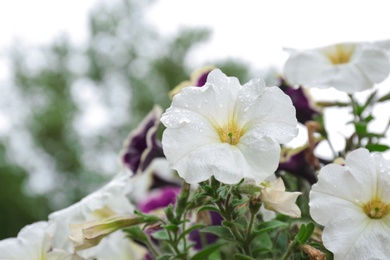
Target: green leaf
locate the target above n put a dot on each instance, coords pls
(370, 100)
(269, 225)
(359, 109)
(242, 257)
(384, 98)
(361, 128)
(136, 233)
(206, 251)
(171, 227)
(160, 235)
(223, 191)
(190, 229)
(209, 208)
(375, 135)
(220, 231)
(305, 233)
(368, 119)
(236, 202)
(165, 257)
(377, 147)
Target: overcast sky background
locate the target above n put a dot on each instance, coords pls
(253, 31)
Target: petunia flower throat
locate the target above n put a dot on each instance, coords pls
(339, 53)
(231, 133)
(376, 209)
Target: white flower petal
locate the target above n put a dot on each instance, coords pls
(210, 130)
(271, 114)
(361, 166)
(383, 170)
(225, 162)
(34, 243)
(352, 202)
(330, 198)
(30, 243)
(261, 155)
(187, 131)
(349, 78)
(307, 68)
(374, 63)
(349, 67)
(357, 238)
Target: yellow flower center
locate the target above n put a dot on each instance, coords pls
(230, 134)
(376, 209)
(339, 53)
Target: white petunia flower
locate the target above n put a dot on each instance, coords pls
(349, 67)
(353, 203)
(275, 197)
(227, 130)
(108, 201)
(34, 243)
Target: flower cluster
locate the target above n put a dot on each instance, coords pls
(222, 181)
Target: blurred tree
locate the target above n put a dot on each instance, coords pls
(80, 102)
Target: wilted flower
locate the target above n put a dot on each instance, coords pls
(89, 234)
(349, 67)
(227, 130)
(275, 197)
(116, 246)
(353, 203)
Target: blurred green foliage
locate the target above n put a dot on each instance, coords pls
(127, 66)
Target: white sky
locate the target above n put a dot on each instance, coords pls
(255, 31)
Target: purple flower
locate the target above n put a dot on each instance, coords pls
(159, 199)
(305, 111)
(213, 219)
(142, 145)
(297, 163)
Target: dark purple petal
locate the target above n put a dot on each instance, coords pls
(195, 235)
(200, 81)
(159, 199)
(297, 165)
(142, 146)
(159, 182)
(304, 109)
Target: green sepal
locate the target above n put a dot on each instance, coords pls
(305, 233)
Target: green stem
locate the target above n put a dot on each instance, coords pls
(289, 250)
(226, 214)
(151, 248)
(357, 118)
(249, 231)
